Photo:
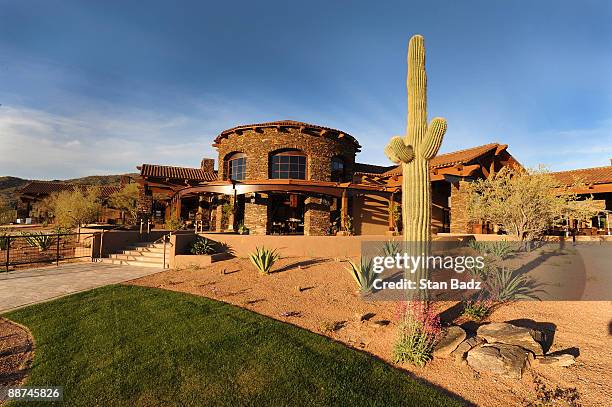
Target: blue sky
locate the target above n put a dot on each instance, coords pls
(90, 87)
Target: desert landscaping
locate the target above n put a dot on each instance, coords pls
(319, 295)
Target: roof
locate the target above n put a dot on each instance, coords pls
(361, 168)
(166, 171)
(596, 175)
(453, 158)
(49, 187)
(325, 131)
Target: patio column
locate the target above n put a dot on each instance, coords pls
(177, 207)
(316, 216)
(459, 221)
(392, 212)
(343, 209)
(256, 214)
(219, 218)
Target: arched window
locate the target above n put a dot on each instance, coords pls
(288, 164)
(236, 167)
(337, 169)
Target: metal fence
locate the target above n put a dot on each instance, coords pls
(19, 251)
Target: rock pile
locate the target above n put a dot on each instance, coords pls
(500, 348)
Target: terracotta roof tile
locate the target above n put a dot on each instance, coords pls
(597, 175)
(453, 158)
(49, 187)
(362, 168)
(165, 171)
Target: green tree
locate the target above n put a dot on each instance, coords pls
(76, 208)
(126, 200)
(526, 203)
(7, 213)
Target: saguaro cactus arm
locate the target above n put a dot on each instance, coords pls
(433, 138)
(397, 151)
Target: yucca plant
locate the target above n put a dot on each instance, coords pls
(362, 273)
(507, 285)
(263, 259)
(41, 240)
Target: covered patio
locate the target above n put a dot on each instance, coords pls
(275, 206)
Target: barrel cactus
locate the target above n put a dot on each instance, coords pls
(414, 151)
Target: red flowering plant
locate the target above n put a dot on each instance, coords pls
(419, 329)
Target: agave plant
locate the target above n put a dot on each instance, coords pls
(264, 259)
(508, 285)
(390, 248)
(362, 273)
(203, 245)
(501, 249)
(41, 240)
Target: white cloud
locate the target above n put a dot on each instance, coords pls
(44, 145)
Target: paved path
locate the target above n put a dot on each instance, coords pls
(25, 287)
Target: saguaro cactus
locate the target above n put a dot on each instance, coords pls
(420, 144)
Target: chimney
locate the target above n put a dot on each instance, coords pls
(208, 164)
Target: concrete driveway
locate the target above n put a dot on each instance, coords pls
(26, 287)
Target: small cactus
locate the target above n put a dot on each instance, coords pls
(419, 145)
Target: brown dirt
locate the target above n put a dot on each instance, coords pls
(16, 353)
(317, 294)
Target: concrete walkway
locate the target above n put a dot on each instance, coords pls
(26, 287)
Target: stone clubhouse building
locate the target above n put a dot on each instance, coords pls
(289, 177)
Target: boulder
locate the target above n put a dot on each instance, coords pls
(562, 360)
(464, 347)
(452, 338)
(503, 332)
(499, 358)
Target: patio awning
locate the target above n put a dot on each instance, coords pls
(286, 185)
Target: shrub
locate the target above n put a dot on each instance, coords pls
(477, 309)
(418, 330)
(4, 241)
(203, 245)
(61, 230)
(173, 223)
(243, 230)
(507, 285)
(41, 240)
(362, 273)
(264, 259)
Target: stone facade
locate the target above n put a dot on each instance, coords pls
(256, 214)
(316, 217)
(459, 220)
(258, 145)
(207, 164)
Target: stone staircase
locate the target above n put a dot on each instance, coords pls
(141, 254)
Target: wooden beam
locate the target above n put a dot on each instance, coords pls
(500, 148)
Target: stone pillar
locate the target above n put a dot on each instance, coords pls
(459, 219)
(316, 217)
(219, 218)
(256, 214)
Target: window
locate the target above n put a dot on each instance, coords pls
(236, 167)
(337, 169)
(288, 165)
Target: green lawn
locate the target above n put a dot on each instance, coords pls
(128, 345)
